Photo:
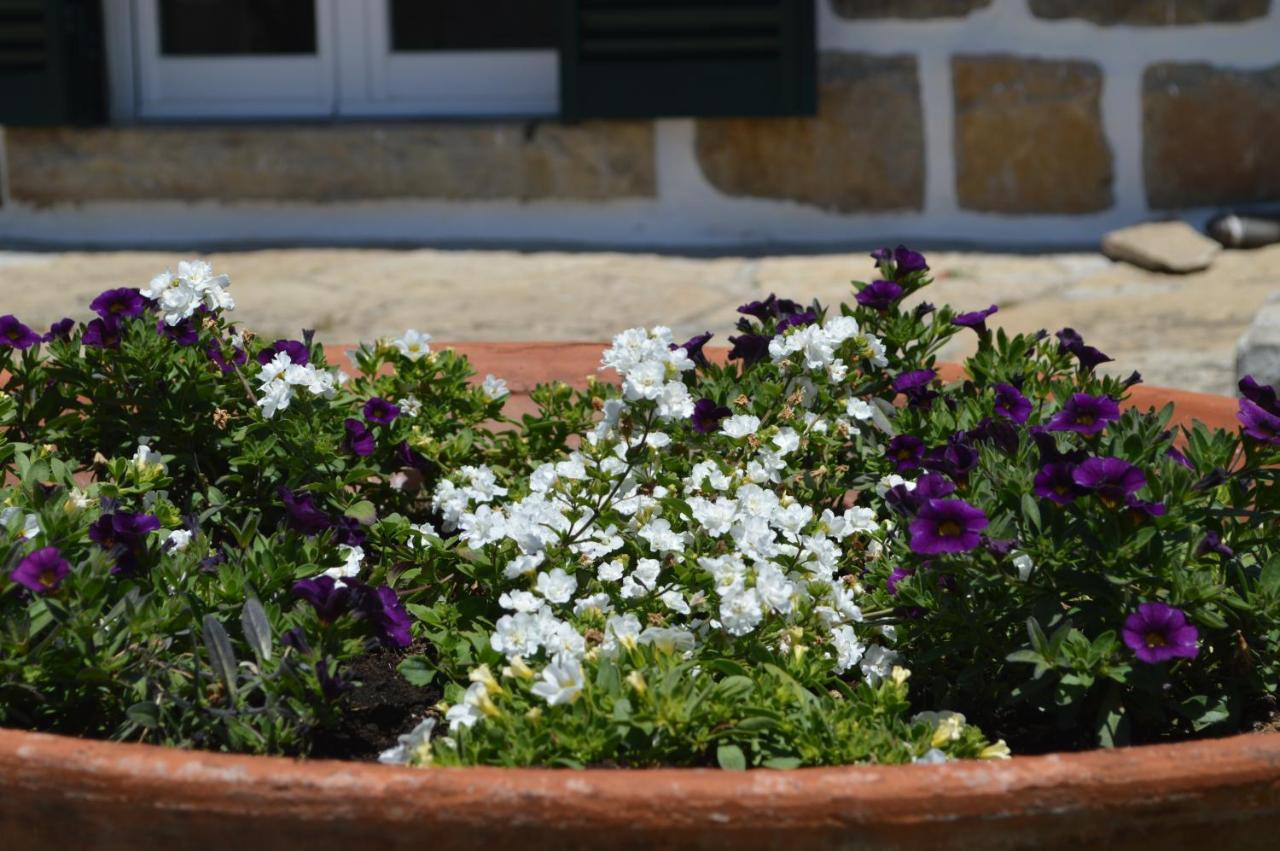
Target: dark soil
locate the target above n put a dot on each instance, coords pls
(379, 710)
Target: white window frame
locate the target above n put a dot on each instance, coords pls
(354, 73)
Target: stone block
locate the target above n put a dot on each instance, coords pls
(917, 9)
(1029, 135)
(864, 150)
(339, 162)
(1209, 135)
(1258, 352)
(1162, 247)
(1151, 13)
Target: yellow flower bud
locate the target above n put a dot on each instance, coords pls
(900, 674)
(635, 679)
(482, 674)
(997, 751)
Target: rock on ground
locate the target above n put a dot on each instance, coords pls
(1162, 247)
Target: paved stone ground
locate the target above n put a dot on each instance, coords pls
(1176, 330)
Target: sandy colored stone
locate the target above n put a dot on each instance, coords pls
(1162, 247)
(1029, 135)
(592, 161)
(863, 151)
(1209, 135)
(1151, 12)
(906, 8)
(1258, 352)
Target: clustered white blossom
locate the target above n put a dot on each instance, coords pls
(280, 378)
(178, 295)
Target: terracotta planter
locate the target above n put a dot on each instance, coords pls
(58, 792)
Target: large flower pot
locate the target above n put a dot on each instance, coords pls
(58, 792)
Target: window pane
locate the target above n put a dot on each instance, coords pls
(473, 24)
(237, 27)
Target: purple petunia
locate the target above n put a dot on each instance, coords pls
(1157, 632)
(41, 571)
(60, 330)
(797, 320)
(184, 333)
(770, 308)
(1259, 423)
(1056, 482)
(380, 411)
(410, 457)
(905, 451)
(1069, 341)
(879, 295)
(1085, 414)
(1141, 509)
(124, 534)
(102, 334)
(1011, 404)
(707, 415)
(1213, 543)
(915, 385)
(1259, 394)
(904, 259)
(297, 352)
(977, 319)
(693, 347)
(955, 458)
(226, 363)
(749, 348)
(387, 614)
(947, 526)
(15, 335)
(898, 574)
(332, 683)
(1178, 457)
(359, 440)
(330, 598)
(119, 303)
(1111, 480)
(908, 500)
(303, 513)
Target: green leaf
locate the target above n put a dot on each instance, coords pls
(363, 511)
(784, 763)
(1031, 510)
(731, 758)
(221, 656)
(1037, 636)
(144, 714)
(417, 670)
(257, 628)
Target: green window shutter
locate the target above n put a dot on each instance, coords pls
(634, 59)
(51, 68)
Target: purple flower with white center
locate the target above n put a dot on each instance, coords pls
(905, 451)
(1056, 483)
(380, 411)
(303, 514)
(797, 320)
(226, 363)
(977, 319)
(1213, 543)
(387, 614)
(907, 261)
(1011, 404)
(1085, 414)
(693, 347)
(947, 526)
(120, 303)
(1158, 632)
(359, 440)
(1111, 480)
(331, 599)
(749, 348)
(297, 352)
(879, 295)
(898, 574)
(102, 334)
(707, 415)
(184, 333)
(60, 330)
(1259, 423)
(1089, 357)
(41, 571)
(15, 335)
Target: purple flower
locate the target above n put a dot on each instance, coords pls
(947, 526)
(1141, 509)
(1111, 480)
(1259, 394)
(411, 457)
(898, 574)
(908, 500)
(797, 320)
(1157, 632)
(224, 362)
(1011, 404)
(380, 411)
(749, 348)
(332, 683)
(184, 333)
(915, 386)
(882, 255)
(359, 439)
(707, 415)
(304, 516)
(124, 534)
(879, 295)
(1088, 356)
(955, 458)
(1003, 435)
(297, 639)
(347, 530)
(977, 319)
(908, 261)
(102, 334)
(693, 347)
(60, 330)
(15, 335)
(42, 571)
(1056, 482)
(296, 351)
(1212, 543)
(1085, 414)
(1259, 423)
(385, 611)
(905, 451)
(1172, 452)
(119, 303)
(999, 547)
(330, 598)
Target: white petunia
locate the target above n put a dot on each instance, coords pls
(412, 747)
(494, 387)
(352, 558)
(178, 540)
(413, 344)
(849, 651)
(740, 425)
(557, 586)
(740, 611)
(560, 682)
(409, 406)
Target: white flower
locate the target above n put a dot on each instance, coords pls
(413, 746)
(891, 481)
(484, 526)
(517, 635)
(520, 601)
(561, 681)
(675, 601)
(593, 602)
(178, 540)
(413, 344)
(275, 396)
(409, 406)
(716, 518)
(351, 560)
(1025, 566)
(469, 711)
(877, 663)
(557, 586)
(30, 523)
(740, 425)
(646, 380)
(145, 457)
(849, 651)
(773, 588)
(668, 638)
(787, 441)
(660, 536)
(610, 571)
(740, 611)
(494, 387)
(859, 409)
(620, 631)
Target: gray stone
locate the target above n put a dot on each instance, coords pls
(906, 8)
(863, 151)
(1258, 352)
(1151, 12)
(1162, 247)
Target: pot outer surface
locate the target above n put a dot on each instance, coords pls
(58, 792)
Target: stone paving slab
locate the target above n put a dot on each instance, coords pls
(1177, 330)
